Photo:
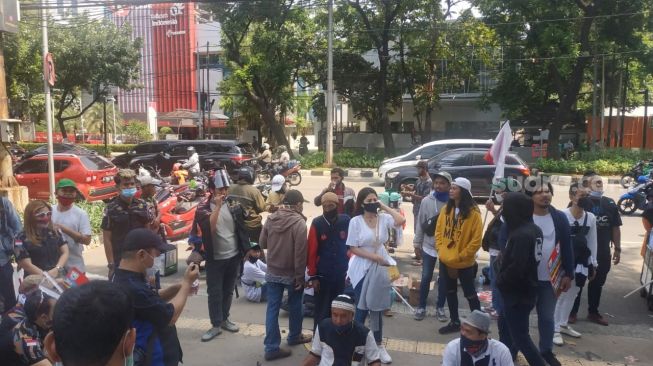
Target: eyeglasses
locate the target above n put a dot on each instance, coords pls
(41, 215)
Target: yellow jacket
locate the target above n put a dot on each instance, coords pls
(458, 241)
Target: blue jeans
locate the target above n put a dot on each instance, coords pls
(545, 306)
(275, 291)
(264, 292)
(428, 266)
(361, 315)
(514, 331)
(497, 301)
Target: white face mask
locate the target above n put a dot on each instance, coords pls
(129, 359)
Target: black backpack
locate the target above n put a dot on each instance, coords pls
(579, 242)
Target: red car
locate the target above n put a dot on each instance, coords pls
(92, 173)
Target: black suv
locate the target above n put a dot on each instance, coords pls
(163, 155)
(467, 163)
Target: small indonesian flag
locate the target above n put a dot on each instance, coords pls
(497, 153)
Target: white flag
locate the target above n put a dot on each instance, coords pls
(497, 153)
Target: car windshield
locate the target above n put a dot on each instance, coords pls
(94, 162)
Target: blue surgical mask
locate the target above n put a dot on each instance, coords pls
(128, 192)
(596, 194)
(441, 196)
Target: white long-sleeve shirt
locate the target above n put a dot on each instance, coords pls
(497, 351)
(193, 163)
(253, 278)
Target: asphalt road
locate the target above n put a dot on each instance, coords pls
(627, 340)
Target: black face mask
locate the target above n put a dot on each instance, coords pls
(585, 203)
(473, 347)
(330, 215)
(372, 207)
(252, 260)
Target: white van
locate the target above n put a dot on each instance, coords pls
(429, 150)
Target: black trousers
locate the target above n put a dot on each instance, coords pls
(7, 294)
(220, 283)
(329, 289)
(595, 286)
(466, 277)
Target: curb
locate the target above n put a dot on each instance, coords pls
(362, 173)
(568, 179)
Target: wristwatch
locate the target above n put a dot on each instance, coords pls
(62, 271)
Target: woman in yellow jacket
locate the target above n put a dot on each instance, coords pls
(458, 236)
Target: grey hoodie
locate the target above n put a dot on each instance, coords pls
(429, 208)
(285, 237)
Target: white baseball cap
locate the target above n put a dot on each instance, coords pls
(277, 182)
(463, 183)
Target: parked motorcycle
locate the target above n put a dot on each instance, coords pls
(635, 198)
(642, 167)
(292, 174)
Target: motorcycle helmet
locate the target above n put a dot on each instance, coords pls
(265, 146)
(247, 174)
(176, 167)
(282, 148)
(190, 150)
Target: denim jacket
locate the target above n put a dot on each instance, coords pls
(10, 225)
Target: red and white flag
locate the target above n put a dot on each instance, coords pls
(497, 153)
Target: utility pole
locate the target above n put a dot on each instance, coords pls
(595, 126)
(81, 116)
(48, 99)
(113, 113)
(602, 100)
(208, 88)
(200, 120)
(623, 104)
(104, 121)
(329, 94)
(645, 128)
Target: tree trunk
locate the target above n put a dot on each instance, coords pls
(62, 127)
(427, 135)
(276, 128)
(386, 130)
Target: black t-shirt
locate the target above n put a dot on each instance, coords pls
(607, 217)
(44, 255)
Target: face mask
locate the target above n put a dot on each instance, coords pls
(596, 194)
(43, 220)
(473, 347)
(129, 360)
(342, 329)
(330, 215)
(252, 260)
(372, 207)
(128, 192)
(65, 201)
(498, 197)
(441, 196)
(585, 203)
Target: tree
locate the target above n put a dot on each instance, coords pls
(549, 46)
(137, 131)
(90, 55)
(269, 46)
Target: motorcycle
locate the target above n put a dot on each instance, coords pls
(177, 205)
(292, 174)
(641, 168)
(264, 188)
(635, 198)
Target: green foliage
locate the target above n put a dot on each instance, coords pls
(165, 131)
(344, 158)
(117, 148)
(137, 131)
(95, 211)
(605, 161)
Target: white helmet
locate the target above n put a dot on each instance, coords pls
(266, 146)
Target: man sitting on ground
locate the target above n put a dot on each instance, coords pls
(339, 340)
(473, 347)
(253, 277)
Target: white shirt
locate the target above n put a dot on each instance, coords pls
(499, 354)
(253, 274)
(362, 236)
(284, 158)
(74, 219)
(193, 163)
(591, 234)
(548, 244)
(370, 350)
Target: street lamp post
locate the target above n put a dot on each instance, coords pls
(645, 128)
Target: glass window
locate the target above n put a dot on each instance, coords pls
(511, 160)
(478, 158)
(179, 150)
(149, 148)
(61, 165)
(455, 159)
(95, 162)
(32, 166)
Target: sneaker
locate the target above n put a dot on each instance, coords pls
(275, 355)
(452, 327)
(304, 338)
(597, 318)
(551, 359)
(572, 319)
(384, 356)
(229, 326)
(557, 339)
(211, 333)
(420, 314)
(565, 329)
(441, 315)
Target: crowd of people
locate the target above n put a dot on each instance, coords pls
(540, 258)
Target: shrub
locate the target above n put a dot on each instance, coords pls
(95, 212)
(313, 160)
(96, 147)
(605, 162)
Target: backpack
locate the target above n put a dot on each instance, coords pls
(428, 226)
(579, 242)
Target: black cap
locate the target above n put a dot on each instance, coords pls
(293, 197)
(145, 239)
